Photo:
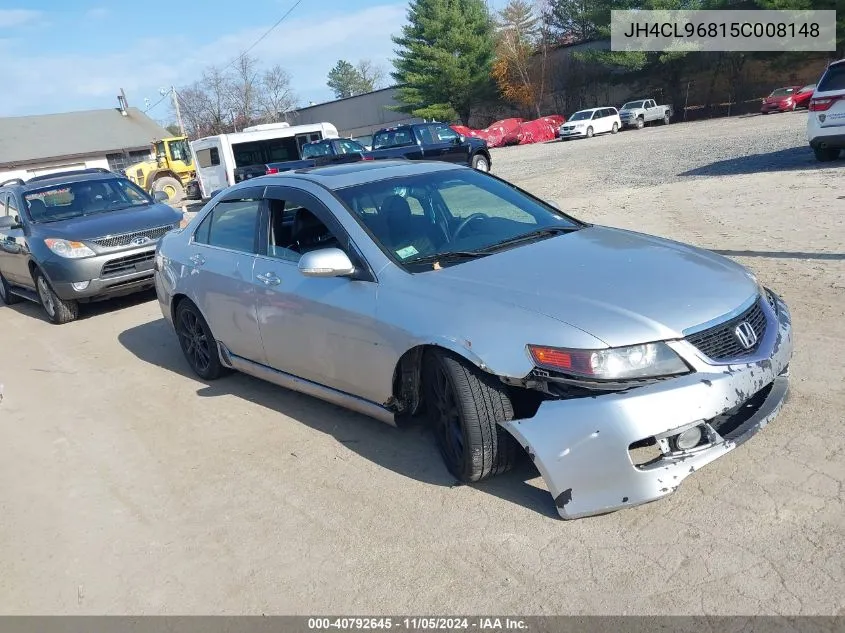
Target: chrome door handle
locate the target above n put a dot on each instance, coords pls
(197, 260)
(269, 279)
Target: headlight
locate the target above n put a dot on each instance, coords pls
(71, 250)
(648, 360)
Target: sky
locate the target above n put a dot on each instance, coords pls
(65, 55)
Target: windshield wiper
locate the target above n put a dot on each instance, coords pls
(532, 235)
(448, 256)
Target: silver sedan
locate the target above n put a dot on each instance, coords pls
(619, 362)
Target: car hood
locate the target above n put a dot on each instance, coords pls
(111, 222)
(619, 286)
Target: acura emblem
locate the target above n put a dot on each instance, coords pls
(822, 117)
(745, 334)
(138, 241)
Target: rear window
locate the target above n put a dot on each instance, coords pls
(782, 92)
(312, 150)
(393, 138)
(833, 79)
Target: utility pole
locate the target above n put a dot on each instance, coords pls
(178, 111)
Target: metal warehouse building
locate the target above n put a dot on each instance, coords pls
(35, 145)
(355, 116)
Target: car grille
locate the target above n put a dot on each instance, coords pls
(127, 264)
(125, 239)
(720, 342)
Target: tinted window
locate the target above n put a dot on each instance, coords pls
(3, 204)
(208, 157)
(232, 224)
(294, 230)
(443, 133)
(580, 116)
(350, 147)
(834, 79)
(13, 205)
(393, 138)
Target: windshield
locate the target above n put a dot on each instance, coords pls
(580, 116)
(416, 217)
(77, 199)
(782, 92)
(632, 105)
(393, 138)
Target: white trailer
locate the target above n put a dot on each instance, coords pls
(216, 157)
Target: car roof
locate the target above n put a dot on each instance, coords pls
(357, 173)
(61, 179)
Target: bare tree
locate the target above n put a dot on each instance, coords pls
(372, 76)
(226, 100)
(277, 96)
(243, 90)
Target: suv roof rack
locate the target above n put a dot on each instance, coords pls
(72, 172)
(12, 181)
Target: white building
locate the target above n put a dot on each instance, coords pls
(34, 145)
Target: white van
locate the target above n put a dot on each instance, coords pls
(217, 157)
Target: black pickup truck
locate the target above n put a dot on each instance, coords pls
(430, 141)
(328, 151)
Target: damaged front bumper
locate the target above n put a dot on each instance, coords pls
(587, 448)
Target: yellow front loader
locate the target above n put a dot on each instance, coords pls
(171, 170)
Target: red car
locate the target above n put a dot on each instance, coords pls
(781, 100)
(802, 97)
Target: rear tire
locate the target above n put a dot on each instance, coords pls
(589, 132)
(172, 187)
(197, 342)
(6, 295)
(58, 310)
(465, 405)
(614, 129)
(480, 163)
(826, 154)
(666, 118)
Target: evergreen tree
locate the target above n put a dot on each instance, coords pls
(444, 58)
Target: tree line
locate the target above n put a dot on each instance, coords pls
(454, 55)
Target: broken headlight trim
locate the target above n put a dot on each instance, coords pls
(648, 360)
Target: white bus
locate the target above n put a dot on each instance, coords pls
(216, 157)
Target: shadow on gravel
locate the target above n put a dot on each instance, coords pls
(782, 254)
(792, 159)
(409, 451)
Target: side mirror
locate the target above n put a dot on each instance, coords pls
(10, 222)
(460, 140)
(214, 193)
(326, 262)
(160, 196)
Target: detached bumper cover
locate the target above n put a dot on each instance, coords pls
(581, 446)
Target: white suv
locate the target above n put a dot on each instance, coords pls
(826, 118)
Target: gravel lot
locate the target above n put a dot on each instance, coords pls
(130, 487)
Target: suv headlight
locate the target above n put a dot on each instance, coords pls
(649, 360)
(66, 248)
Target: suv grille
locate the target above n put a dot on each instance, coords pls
(128, 264)
(720, 342)
(125, 239)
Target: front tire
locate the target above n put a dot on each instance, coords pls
(172, 187)
(197, 342)
(465, 405)
(826, 154)
(58, 310)
(6, 295)
(589, 132)
(480, 163)
(640, 123)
